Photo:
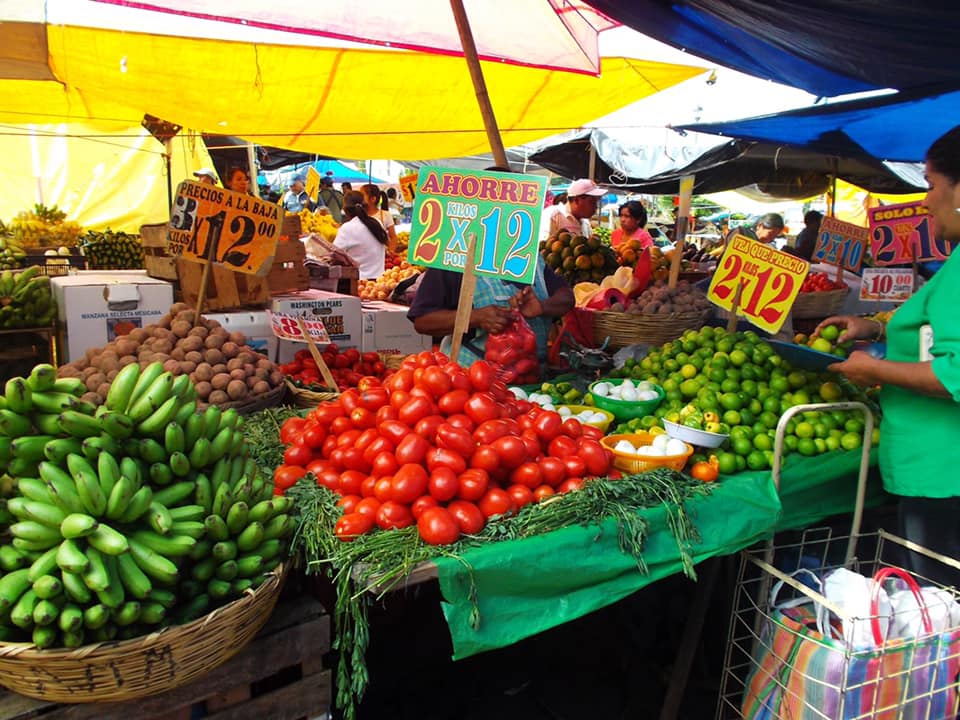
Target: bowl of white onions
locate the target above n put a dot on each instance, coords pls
(626, 398)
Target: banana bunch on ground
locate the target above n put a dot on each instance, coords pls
(134, 515)
(109, 250)
(44, 226)
(320, 223)
(26, 299)
(11, 249)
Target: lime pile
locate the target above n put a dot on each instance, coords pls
(735, 383)
(825, 342)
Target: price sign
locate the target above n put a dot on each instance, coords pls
(889, 284)
(240, 230)
(312, 185)
(287, 327)
(408, 186)
(902, 234)
(502, 209)
(841, 242)
(771, 280)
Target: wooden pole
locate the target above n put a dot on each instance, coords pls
(252, 165)
(680, 228)
(465, 303)
(317, 357)
(735, 308)
(479, 84)
(205, 276)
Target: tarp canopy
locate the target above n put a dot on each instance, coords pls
(347, 103)
(768, 169)
(890, 127)
(827, 47)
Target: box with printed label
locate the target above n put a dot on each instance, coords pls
(97, 307)
(387, 330)
(254, 324)
(340, 314)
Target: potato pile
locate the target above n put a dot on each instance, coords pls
(223, 368)
(658, 299)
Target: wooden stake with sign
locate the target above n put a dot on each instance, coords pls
(680, 228)
(205, 280)
(317, 357)
(468, 286)
(735, 308)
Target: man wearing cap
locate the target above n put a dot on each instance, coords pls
(573, 215)
(206, 176)
(332, 198)
(296, 199)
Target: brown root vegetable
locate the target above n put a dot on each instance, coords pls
(234, 363)
(203, 389)
(238, 338)
(94, 381)
(138, 335)
(276, 378)
(163, 346)
(184, 316)
(252, 381)
(172, 366)
(178, 308)
(163, 334)
(178, 353)
(126, 346)
(237, 389)
(230, 350)
(181, 328)
(187, 367)
(219, 368)
(163, 323)
(261, 373)
(218, 396)
(213, 341)
(199, 331)
(191, 343)
(204, 372)
(91, 397)
(69, 370)
(247, 355)
(213, 356)
(102, 390)
(220, 381)
(264, 363)
(261, 387)
(194, 357)
(238, 374)
(112, 375)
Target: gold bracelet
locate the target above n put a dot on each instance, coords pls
(883, 330)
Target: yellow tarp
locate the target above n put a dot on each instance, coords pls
(341, 102)
(101, 176)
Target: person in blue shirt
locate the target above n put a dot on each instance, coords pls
(296, 199)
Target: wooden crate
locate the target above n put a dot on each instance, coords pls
(289, 270)
(278, 676)
(157, 260)
(334, 278)
(226, 289)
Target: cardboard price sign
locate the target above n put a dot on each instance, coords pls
(287, 327)
(235, 230)
(408, 186)
(501, 209)
(841, 242)
(312, 185)
(770, 281)
(889, 284)
(902, 234)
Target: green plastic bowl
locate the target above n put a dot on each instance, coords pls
(624, 409)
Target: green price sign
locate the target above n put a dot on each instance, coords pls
(502, 209)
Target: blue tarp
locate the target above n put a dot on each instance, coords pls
(897, 127)
(827, 47)
(334, 168)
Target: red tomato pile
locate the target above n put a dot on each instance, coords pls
(514, 353)
(819, 282)
(437, 445)
(347, 367)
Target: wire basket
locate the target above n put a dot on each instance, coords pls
(254, 403)
(624, 328)
(776, 669)
(628, 462)
(307, 398)
(117, 671)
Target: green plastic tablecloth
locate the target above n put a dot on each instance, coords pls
(530, 585)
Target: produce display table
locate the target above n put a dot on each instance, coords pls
(526, 586)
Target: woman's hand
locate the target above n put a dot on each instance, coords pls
(492, 318)
(526, 301)
(852, 328)
(860, 368)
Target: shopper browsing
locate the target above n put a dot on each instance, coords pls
(362, 237)
(378, 208)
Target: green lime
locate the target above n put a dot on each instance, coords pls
(820, 444)
(790, 442)
(797, 379)
(806, 446)
(820, 430)
(756, 460)
(689, 388)
(741, 445)
(747, 416)
(851, 441)
(762, 442)
(772, 405)
(738, 357)
(731, 401)
(875, 438)
(830, 391)
(853, 425)
(822, 345)
(727, 463)
(769, 419)
(779, 384)
(741, 463)
(830, 332)
(833, 443)
(732, 417)
(804, 430)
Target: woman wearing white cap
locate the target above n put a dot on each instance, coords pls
(582, 198)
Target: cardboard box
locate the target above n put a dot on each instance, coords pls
(98, 306)
(255, 324)
(387, 330)
(341, 314)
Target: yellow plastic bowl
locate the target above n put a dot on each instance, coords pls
(637, 464)
(599, 424)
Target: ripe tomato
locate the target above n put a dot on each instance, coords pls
(532, 443)
(373, 398)
(461, 421)
(349, 503)
(595, 456)
(570, 485)
(575, 466)
(349, 400)
(481, 375)
(521, 494)
(459, 379)
(412, 449)
(589, 431)
(528, 474)
(436, 381)
(351, 482)
(438, 527)
(329, 445)
(352, 459)
(380, 444)
(562, 446)
(326, 413)
(456, 439)
(362, 418)
(453, 401)
(485, 458)
(330, 479)
(473, 484)
(399, 398)
(481, 407)
(443, 484)
(340, 425)
(548, 425)
(347, 438)
(318, 466)
(552, 471)
(313, 436)
(409, 483)
(497, 502)
(368, 506)
(490, 430)
(402, 379)
(511, 450)
(368, 486)
(365, 438)
(468, 516)
(286, 476)
(572, 428)
(393, 515)
(428, 427)
(414, 410)
(420, 504)
(383, 490)
(298, 455)
(352, 525)
(394, 431)
(368, 383)
(441, 457)
(387, 412)
(544, 491)
(385, 463)
(290, 429)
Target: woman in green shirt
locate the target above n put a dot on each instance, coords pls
(920, 379)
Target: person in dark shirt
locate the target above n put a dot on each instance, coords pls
(807, 238)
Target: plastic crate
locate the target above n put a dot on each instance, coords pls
(55, 265)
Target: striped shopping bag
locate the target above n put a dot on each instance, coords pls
(799, 674)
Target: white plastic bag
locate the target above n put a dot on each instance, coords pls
(851, 592)
(943, 610)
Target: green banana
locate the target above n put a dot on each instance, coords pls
(147, 376)
(12, 586)
(71, 618)
(151, 451)
(151, 400)
(102, 443)
(47, 424)
(224, 550)
(249, 565)
(83, 407)
(52, 402)
(203, 495)
(18, 467)
(194, 609)
(47, 587)
(56, 451)
(156, 423)
(152, 613)
(263, 511)
(71, 558)
(211, 421)
(41, 512)
(113, 594)
(240, 586)
(30, 447)
(75, 588)
(270, 549)
(173, 438)
(107, 540)
(220, 444)
(45, 612)
(229, 419)
(131, 468)
(201, 550)
(193, 429)
(18, 395)
(139, 504)
(216, 527)
(117, 425)
(121, 389)
(107, 633)
(161, 474)
(227, 571)
(204, 569)
(44, 636)
(153, 563)
(279, 527)
(136, 582)
(35, 532)
(218, 589)
(62, 487)
(79, 425)
(176, 493)
(163, 597)
(42, 377)
(70, 386)
(222, 500)
(96, 577)
(158, 517)
(108, 472)
(96, 616)
(30, 546)
(168, 546)
(12, 559)
(179, 464)
(72, 639)
(191, 513)
(193, 528)
(119, 498)
(88, 485)
(78, 525)
(13, 424)
(186, 411)
(237, 517)
(183, 388)
(21, 614)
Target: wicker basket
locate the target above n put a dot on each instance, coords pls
(305, 398)
(253, 404)
(628, 328)
(819, 304)
(117, 671)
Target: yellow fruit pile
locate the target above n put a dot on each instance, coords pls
(43, 226)
(323, 225)
(383, 286)
(403, 242)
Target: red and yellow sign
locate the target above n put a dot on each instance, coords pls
(287, 327)
(901, 234)
(770, 281)
(886, 284)
(408, 187)
(841, 242)
(235, 230)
